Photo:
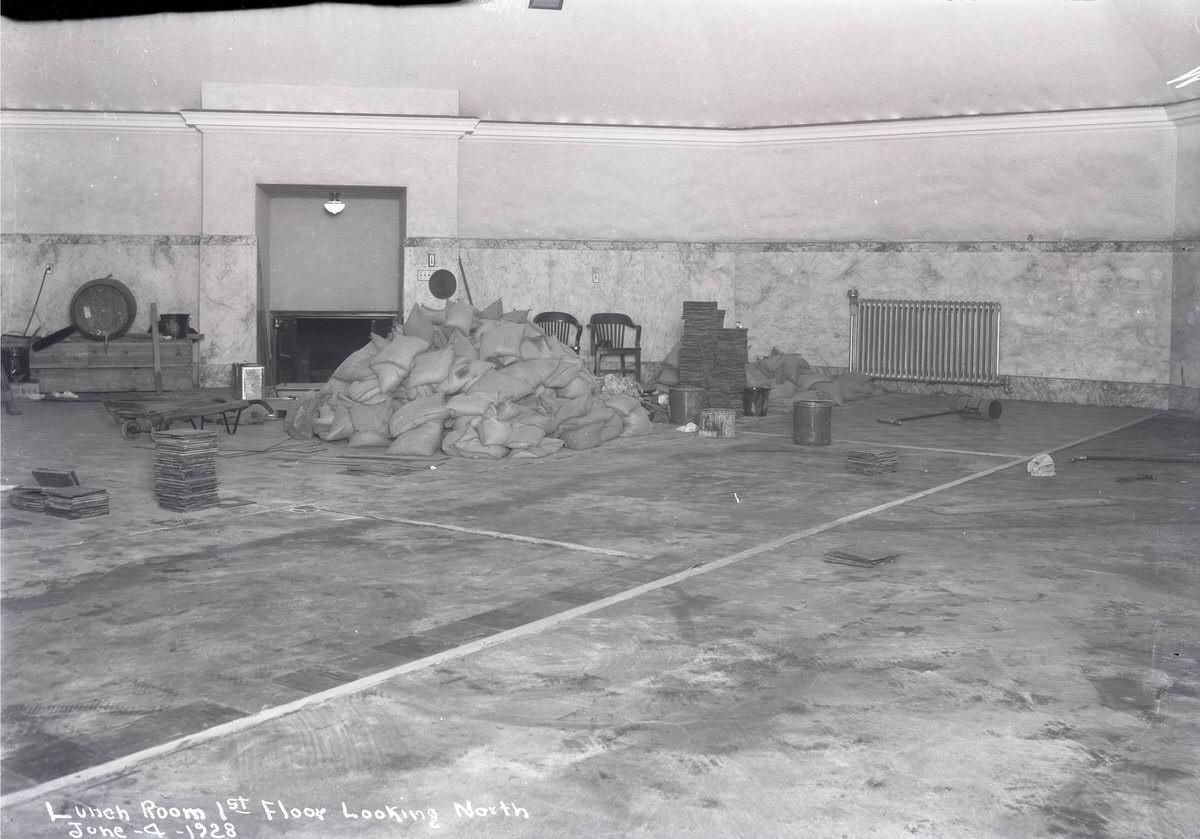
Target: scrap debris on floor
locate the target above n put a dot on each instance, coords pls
(467, 382)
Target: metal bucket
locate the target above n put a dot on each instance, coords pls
(812, 421)
(173, 326)
(978, 407)
(686, 401)
(16, 349)
(754, 401)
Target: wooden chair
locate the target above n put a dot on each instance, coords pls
(562, 326)
(614, 335)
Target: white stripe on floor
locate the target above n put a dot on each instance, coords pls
(124, 764)
(890, 445)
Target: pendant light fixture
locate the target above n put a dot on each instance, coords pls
(335, 204)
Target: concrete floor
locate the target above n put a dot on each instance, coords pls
(636, 640)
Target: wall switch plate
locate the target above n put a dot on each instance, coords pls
(433, 260)
(596, 277)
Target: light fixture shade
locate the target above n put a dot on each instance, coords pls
(335, 204)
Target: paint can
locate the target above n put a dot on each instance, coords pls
(716, 422)
(16, 349)
(686, 401)
(978, 407)
(754, 401)
(812, 421)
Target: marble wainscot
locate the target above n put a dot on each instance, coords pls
(646, 280)
(212, 279)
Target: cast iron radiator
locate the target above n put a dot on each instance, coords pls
(936, 341)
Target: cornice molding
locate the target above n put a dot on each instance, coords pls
(261, 121)
(1153, 117)
(93, 121)
(1149, 117)
(1182, 112)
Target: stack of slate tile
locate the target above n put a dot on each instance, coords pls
(728, 377)
(185, 469)
(702, 320)
(75, 502)
(868, 462)
(29, 499)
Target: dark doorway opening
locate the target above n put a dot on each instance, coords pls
(308, 346)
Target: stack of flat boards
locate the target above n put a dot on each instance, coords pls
(867, 462)
(727, 378)
(185, 469)
(30, 499)
(75, 502)
(702, 320)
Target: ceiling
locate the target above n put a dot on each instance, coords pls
(721, 63)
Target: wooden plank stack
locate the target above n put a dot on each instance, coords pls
(711, 356)
(185, 469)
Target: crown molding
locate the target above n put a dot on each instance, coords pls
(93, 121)
(263, 121)
(1041, 122)
(1152, 117)
(1184, 111)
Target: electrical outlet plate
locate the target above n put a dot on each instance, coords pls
(424, 274)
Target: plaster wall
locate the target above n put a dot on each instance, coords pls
(1107, 183)
(1187, 179)
(82, 181)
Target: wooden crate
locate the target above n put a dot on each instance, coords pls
(125, 364)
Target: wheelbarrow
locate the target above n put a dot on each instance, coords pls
(146, 417)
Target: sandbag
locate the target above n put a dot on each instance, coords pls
(502, 343)
(547, 446)
(598, 413)
(854, 386)
(463, 346)
(636, 423)
(436, 316)
(401, 350)
(419, 324)
(460, 315)
(366, 391)
(430, 367)
(565, 409)
(356, 365)
(419, 392)
(388, 375)
(500, 386)
(568, 366)
(524, 436)
(531, 348)
(364, 439)
(493, 311)
(418, 412)
(593, 434)
(464, 442)
(421, 441)
(493, 431)
(370, 417)
(463, 373)
(469, 404)
(533, 372)
(516, 315)
(580, 385)
(623, 405)
(341, 427)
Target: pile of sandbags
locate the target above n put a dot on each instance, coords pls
(790, 377)
(468, 382)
